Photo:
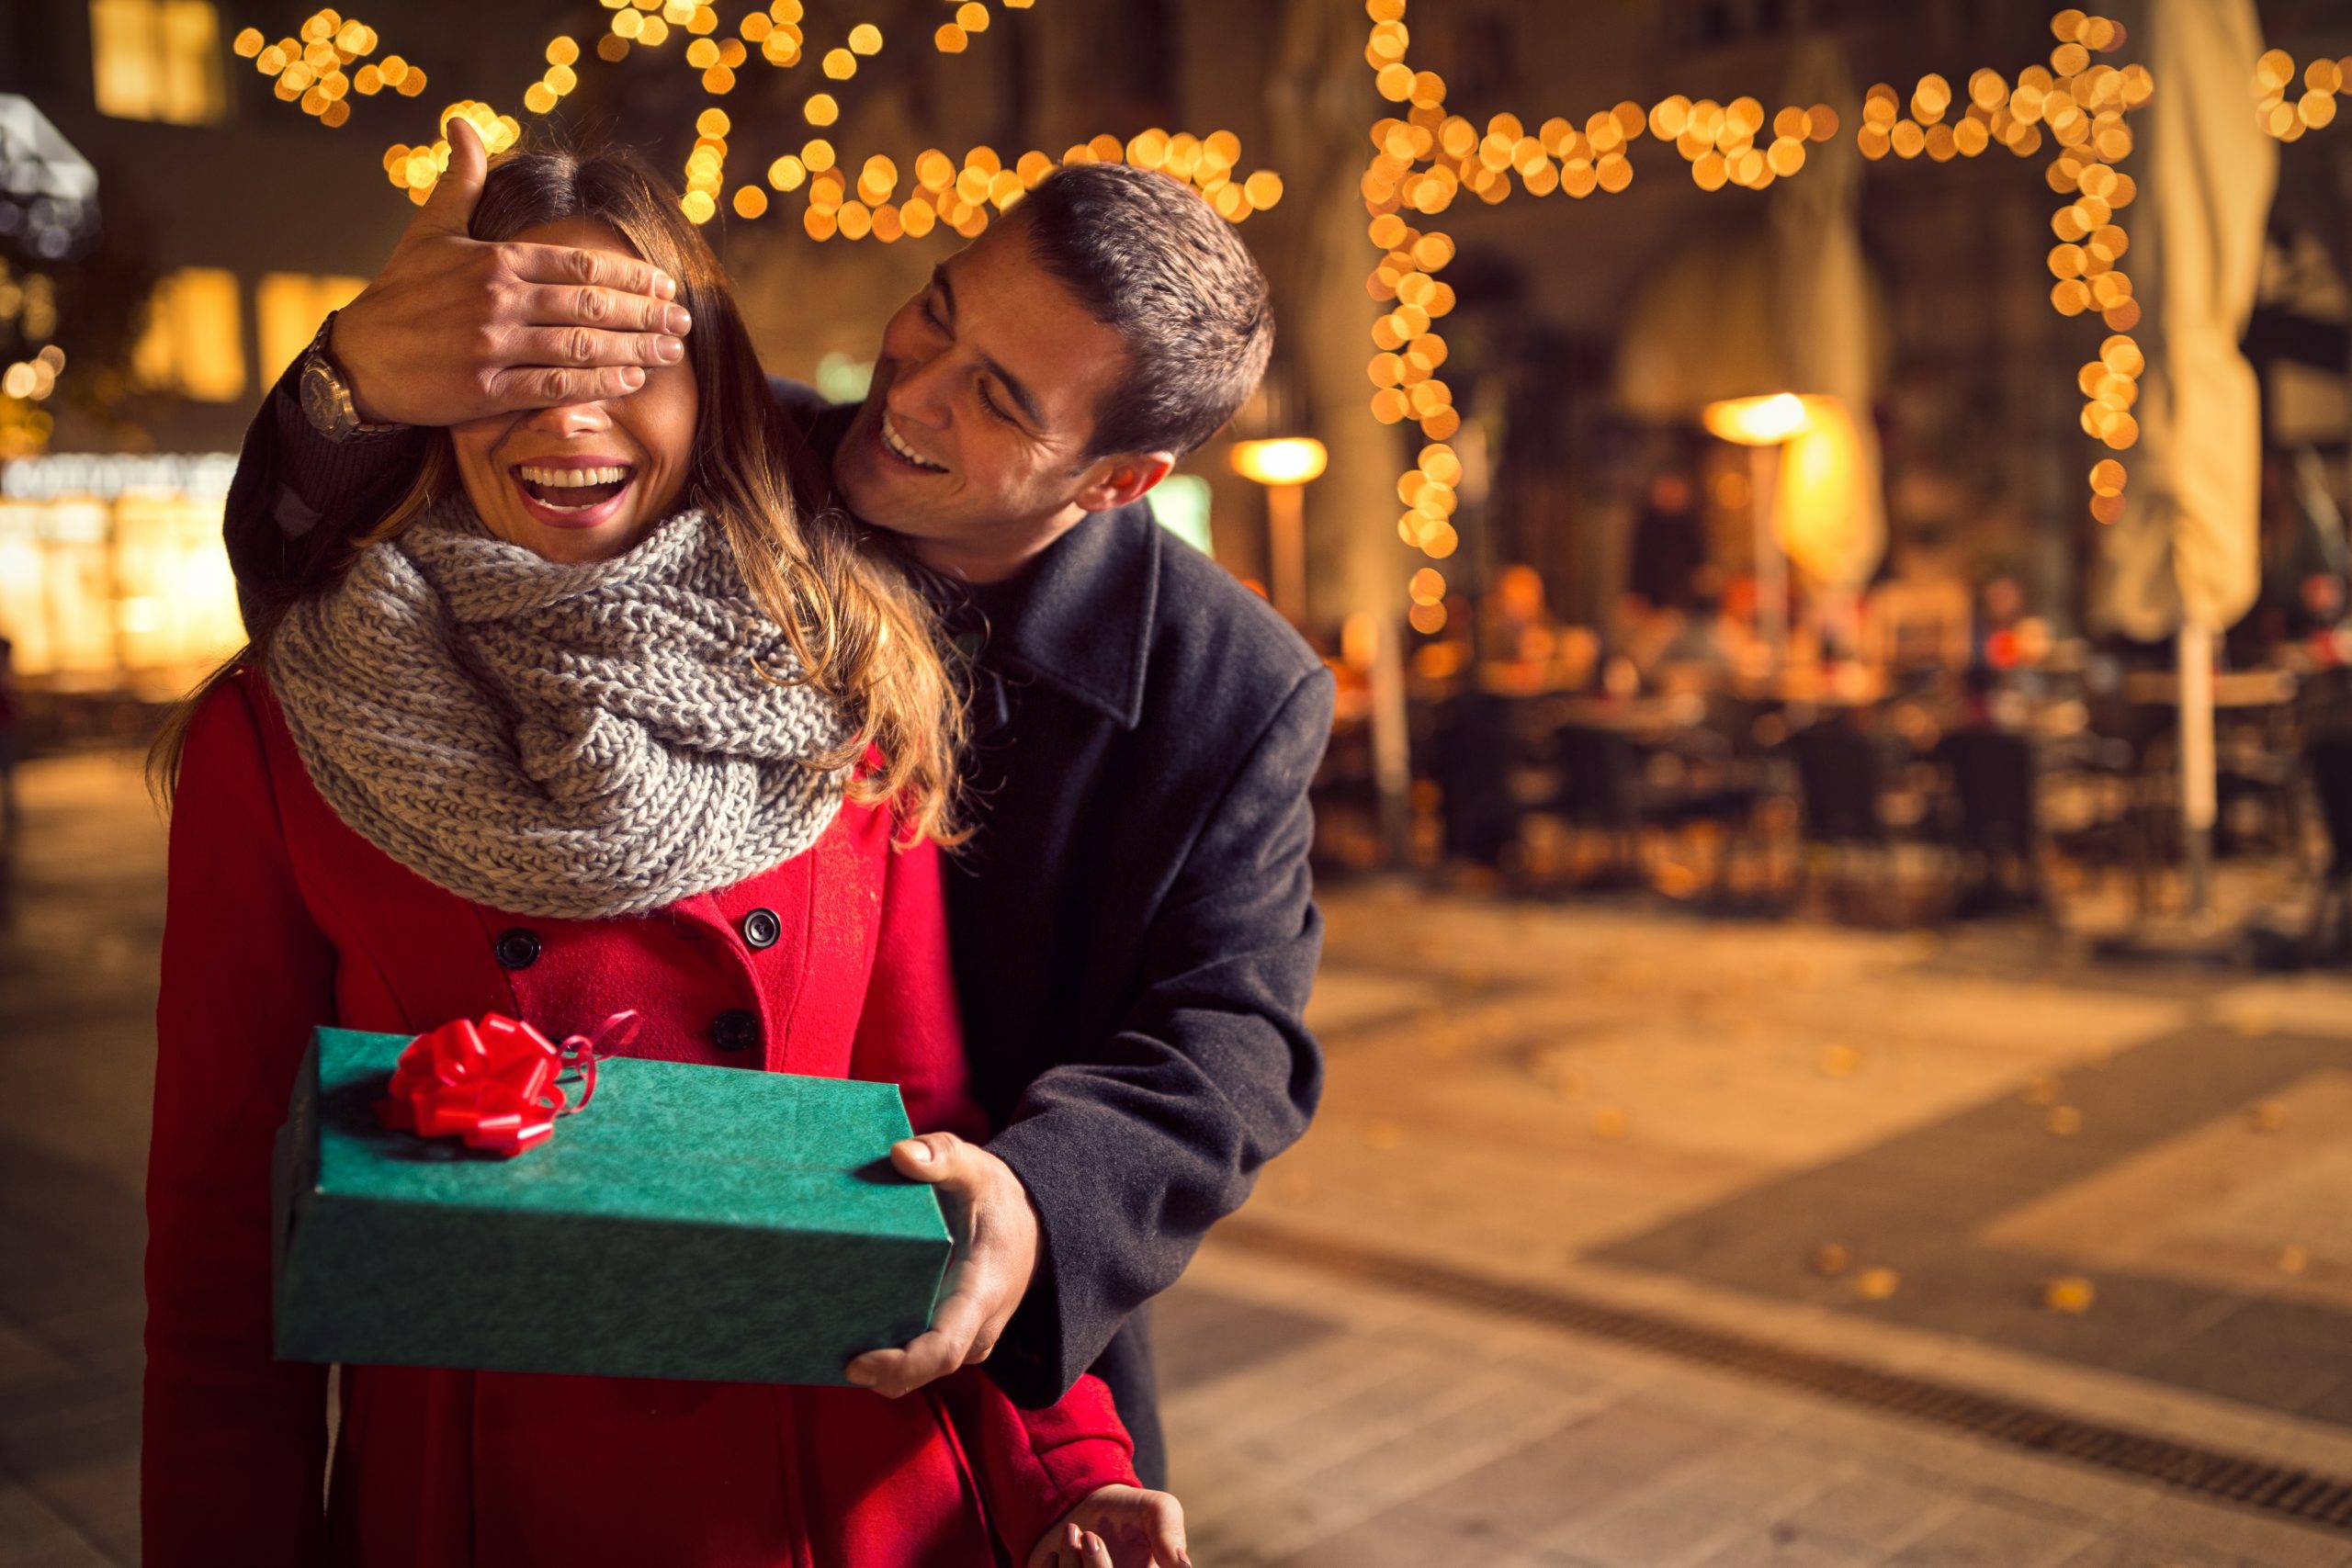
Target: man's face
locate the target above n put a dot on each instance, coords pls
(970, 441)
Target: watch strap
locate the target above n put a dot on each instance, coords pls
(326, 393)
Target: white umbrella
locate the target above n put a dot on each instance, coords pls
(2184, 558)
(1832, 511)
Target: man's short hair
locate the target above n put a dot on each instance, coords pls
(1152, 260)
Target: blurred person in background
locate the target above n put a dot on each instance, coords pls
(11, 814)
(1669, 542)
(1516, 631)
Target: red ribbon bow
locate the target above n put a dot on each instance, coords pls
(493, 1083)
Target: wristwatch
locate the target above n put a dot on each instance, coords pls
(326, 396)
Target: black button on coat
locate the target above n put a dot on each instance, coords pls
(760, 929)
(735, 1030)
(517, 947)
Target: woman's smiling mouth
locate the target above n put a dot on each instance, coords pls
(573, 492)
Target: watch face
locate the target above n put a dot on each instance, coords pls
(321, 401)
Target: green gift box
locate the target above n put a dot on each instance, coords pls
(691, 1222)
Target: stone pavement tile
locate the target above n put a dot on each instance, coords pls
(1197, 1335)
(1986, 1535)
(99, 1496)
(2281, 1355)
(1325, 1474)
(1531, 1492)
(1702, 1509)
(1363, 1400)
(2034, 1484)
(1875, 1510)
(1748, 1402)
(1958, 1463)
(33, 1536)
(2133, 1548)
(26, 1361)
(1777, 1546)
(2334, 1404)
(2222, 1529)
(1406, 1537)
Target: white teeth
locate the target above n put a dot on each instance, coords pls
(890, 439)
(571, 479)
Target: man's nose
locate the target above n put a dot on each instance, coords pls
(918, 392)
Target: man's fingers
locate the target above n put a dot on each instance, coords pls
(450, 208)
(929, 1356)
(602, 269)
(897, 1372)
(537, 387)
(587, 348)
(612, 309)
(956, 1331)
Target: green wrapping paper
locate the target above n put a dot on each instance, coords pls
(691, 1222)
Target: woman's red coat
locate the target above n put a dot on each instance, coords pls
(281, 917)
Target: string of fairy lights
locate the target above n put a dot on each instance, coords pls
(871, 198)
(1425, 158)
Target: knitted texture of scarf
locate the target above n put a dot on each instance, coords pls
(558, 739)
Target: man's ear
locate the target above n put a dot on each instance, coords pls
(1130, 476)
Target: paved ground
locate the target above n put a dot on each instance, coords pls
(1666, 1121)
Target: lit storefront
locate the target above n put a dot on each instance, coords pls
(112, 575)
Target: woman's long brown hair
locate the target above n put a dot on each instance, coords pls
(844, 598)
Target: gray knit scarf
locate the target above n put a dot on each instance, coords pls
(555, 739)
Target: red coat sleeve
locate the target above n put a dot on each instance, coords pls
(233, 1464)
(1033, 1466)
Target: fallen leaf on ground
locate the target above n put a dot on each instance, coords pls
(1877, 1284)
(2069, 1293)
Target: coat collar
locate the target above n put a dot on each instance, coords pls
(1083, 621)
(1081, 618)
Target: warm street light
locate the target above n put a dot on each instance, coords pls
(1761, 424)
(1282, 464)
(1757, 422)
(1288, 460)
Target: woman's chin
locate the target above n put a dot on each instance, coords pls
(569, 543)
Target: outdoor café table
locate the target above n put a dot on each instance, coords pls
(2231, 689)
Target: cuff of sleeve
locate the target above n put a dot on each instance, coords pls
(1035, 1361)
(1078, 1471)
(315, 469)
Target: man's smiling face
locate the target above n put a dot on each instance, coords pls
(972, 441)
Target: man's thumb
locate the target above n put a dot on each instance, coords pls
(922, 1159)
(450, 208)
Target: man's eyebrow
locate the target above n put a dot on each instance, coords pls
(1019, 393)
(1012, 384)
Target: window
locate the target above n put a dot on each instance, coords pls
(288, 307)
(194, 340)
(157, 60)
